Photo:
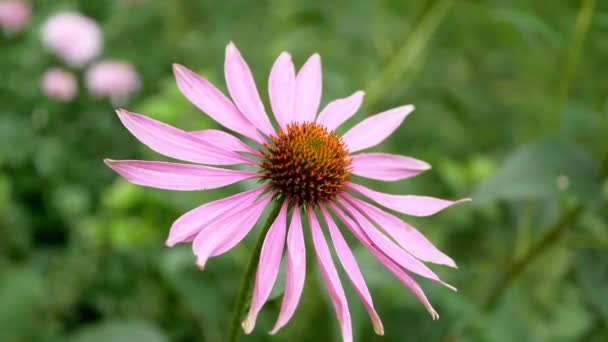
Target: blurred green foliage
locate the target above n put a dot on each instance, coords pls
(512, 109)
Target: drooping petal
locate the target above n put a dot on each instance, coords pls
(225, 233)
(282, 88)
(407, 204)
(387, 167)
(210, 100)
(330, 276)
(227, 141)
(390, 249)
(386, 261)
(405, 235)
(175, 143)
(296, 271)
(242, 88)
(352, 270)
(174, 176)
(373, 130)
(309, 84)
(340, 110)
(268, 267)
(192, 222)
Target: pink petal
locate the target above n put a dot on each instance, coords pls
(228, 141)
(349, 263)
(405, 235)
(387, 167)
(281, 88)
(390, 249)
(296, 271)
(223, 234)
(197, 219)
(211, 101)
(308, 90)
(243, 90)
(330, 275)
(338, 111)
(407, 204)
(268, 267)
(373, 130)
(175, 143)
(173, 176)
(387, 262)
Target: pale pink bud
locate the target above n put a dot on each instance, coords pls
(113, 79)
(59, 84)
(14, 15)
(73, 37)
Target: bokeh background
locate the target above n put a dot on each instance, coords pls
(512, 110)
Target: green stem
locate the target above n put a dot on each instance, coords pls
(583, 21)
(406, 58)
(244, 298)
(519, 266)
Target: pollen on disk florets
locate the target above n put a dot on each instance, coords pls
(306, 163)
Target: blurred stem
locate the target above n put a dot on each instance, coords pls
(583, 21)
(244, 297)
(406, 57)
(516, 268)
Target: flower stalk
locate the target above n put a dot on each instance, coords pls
(244, 297)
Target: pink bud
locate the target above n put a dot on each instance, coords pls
(114, 79)
(59, 84)
(14, 15)
(73, 37)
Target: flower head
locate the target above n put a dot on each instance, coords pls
(14, 15)
(305, 167)
(113, 79)
(59, 84)
(75, 38)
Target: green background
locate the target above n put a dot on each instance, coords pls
(512, 110)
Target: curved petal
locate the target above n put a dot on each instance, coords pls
(210, 100)
(387, 167)
(390, 249)
(268, 267)
(407, 204)
(243, 90)
(192, 222)
(173, 176)
(227, 141)
(309, 84)
(330, 275)
(405, 235)
(175, 143)
(225, 233)
(281, 89)
(296, 271)
(373, 130)
(349, 263)
(387, 262)
(340, 110)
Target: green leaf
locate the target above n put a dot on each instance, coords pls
(119, 332)
(543, 169)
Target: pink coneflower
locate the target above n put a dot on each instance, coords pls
(113, 79)
(75, 38)
(59, 84)
(14, 15)
(303, 166)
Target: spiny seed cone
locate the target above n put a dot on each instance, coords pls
(306, 163)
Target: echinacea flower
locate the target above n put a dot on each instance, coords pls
(305, 166)
(14, 15)
(73, 37)
(59, 84)
(116, 80)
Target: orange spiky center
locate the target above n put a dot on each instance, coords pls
(306, 163)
